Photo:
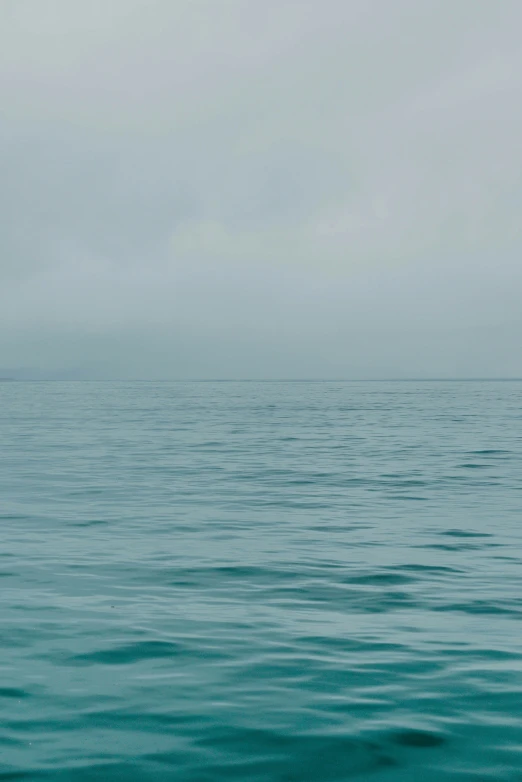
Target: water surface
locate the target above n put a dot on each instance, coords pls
(261, 581)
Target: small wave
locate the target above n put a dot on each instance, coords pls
(130, 653)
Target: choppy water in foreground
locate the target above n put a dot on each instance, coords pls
(261, 581)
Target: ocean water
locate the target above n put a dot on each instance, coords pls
(261, 581)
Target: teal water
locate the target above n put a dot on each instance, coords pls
(261, 581)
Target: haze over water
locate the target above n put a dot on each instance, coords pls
(261, 581)
(277, 189)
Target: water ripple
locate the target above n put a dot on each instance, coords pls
(260, 581)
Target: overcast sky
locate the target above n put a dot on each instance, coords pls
(280, 188)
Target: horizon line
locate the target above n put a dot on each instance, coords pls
(263, 380)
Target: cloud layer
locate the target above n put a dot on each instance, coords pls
(202, 189)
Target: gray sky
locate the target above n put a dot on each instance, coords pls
(286, 188)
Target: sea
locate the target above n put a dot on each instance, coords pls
(261, 581)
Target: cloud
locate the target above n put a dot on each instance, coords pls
(336, 184)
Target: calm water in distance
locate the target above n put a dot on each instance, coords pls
(273, 582)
